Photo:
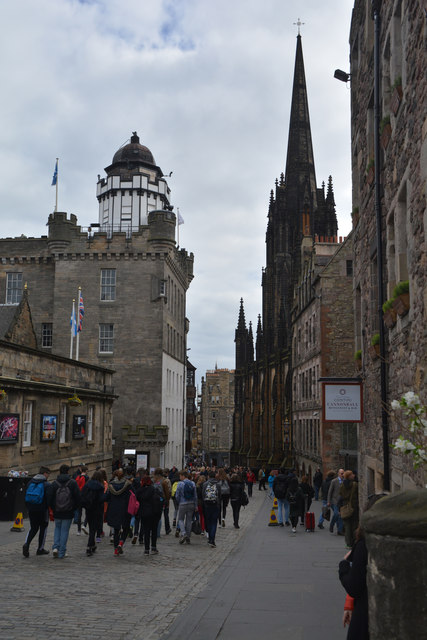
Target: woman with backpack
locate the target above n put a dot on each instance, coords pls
(93, 497)
(118, 517)
(225, 495)
(150, 512)
(237, 489)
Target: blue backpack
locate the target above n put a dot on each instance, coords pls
(188, 490)
(35, 493)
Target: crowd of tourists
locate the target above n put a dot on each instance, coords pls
(132, 505)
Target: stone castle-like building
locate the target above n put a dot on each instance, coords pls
(134, 281)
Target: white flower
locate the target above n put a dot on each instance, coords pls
(411, 399)
(395, 404)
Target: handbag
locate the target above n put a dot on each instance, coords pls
(196, 527)
(245, 499)
(326, 512)
(346, 511)
(133, 504)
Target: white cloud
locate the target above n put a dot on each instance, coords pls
(207, 85)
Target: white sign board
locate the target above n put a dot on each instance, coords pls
(342, 402)
(141, 461)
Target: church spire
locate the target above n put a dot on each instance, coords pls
(300, 176)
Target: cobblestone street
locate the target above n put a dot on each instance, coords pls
(134, 596)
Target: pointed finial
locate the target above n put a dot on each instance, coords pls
(299, 24)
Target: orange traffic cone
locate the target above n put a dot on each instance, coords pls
(17, 525)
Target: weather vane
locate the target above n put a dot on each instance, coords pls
(299, 24)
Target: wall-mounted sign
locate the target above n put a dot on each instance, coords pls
(48, 424)
(342, 402)
(79, 427)
(9, 427)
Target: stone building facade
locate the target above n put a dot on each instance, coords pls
(133, 280)
(39, 425)
(322, 347)
(392, 199)
(216, 411)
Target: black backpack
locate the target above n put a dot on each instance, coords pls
(90, 498)
(280, 487)
(64, 498)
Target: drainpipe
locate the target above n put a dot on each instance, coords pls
(376, 6)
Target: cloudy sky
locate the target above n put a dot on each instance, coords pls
(207, 86)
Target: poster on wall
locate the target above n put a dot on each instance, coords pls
(79, 427)
(342, 402)
(141, 460)
(9, 427)
(48, 428)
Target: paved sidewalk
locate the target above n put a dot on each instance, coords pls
(274, 585)
(260, 581)
(132, 597)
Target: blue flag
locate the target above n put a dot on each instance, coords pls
(55, 174)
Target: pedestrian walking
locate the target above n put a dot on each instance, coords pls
(308, 492)
(325, 489)
(295, 499)
(317, 483)
(261, 479)
(225, 495)
(333, 497)
(93, 496)
(211, 492)
(349, 507)
(250, 480)
(64, 498)
(237, 489)
(150, 512)
(186, 497)
(36, 501)
(280, 487)
(118, 516)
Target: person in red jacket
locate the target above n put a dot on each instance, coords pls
(250, 479)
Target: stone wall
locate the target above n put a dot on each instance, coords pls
(403, 180)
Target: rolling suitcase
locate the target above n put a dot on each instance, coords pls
(309, 521)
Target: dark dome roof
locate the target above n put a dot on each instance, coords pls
(134, 151)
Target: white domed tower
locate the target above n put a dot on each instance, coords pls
(134, 186)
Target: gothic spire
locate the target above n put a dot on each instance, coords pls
(300, 177)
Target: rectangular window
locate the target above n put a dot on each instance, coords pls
(90, 417)
(108, 284)
(28, 424)
(13, 288)
(63, 424)
(349, 264)
(47, 334)
(106, 338)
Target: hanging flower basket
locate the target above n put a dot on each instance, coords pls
(3, 396)
(74, 401)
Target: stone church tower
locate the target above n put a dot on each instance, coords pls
(298, 210)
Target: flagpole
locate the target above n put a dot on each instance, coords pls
(77, 323)
(73, 320)
(57, 179)
(177, 219)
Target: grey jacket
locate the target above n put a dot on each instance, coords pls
(334, 491)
